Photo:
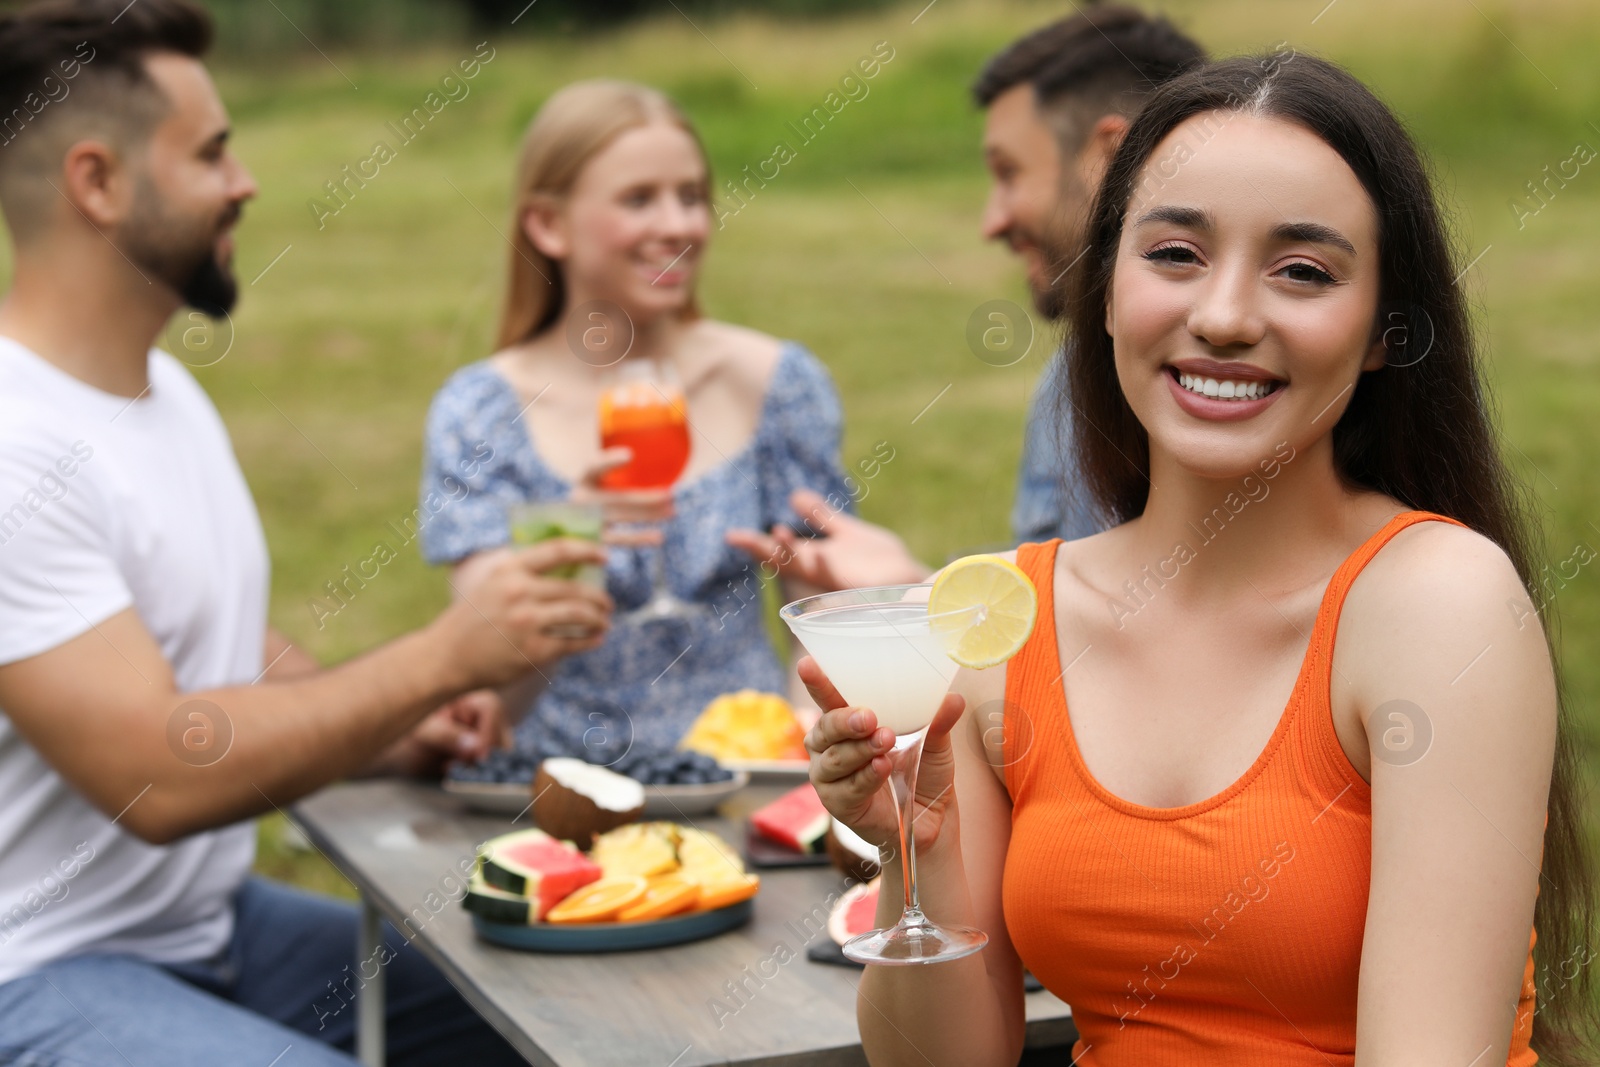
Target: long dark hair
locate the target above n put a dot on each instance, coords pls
(1419, 429)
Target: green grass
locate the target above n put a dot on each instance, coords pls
(865, 248)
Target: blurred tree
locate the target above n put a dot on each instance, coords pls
(250, 26)
(489, 13)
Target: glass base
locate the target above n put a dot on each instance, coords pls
(923, 942)
(664, 607)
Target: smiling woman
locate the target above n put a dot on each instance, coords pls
(612, 217)
(1263, 268)
(1292, 691)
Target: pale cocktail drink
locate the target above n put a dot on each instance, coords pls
(881, 656)
(882, 651)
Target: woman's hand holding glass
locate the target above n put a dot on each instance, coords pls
(851, 760)
(632, 516)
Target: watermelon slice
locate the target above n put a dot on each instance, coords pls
(532, 864)
(854, 913)
(796, 820)
(496, 905)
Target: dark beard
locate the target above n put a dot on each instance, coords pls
(211, 289)
(1062, 245)
(1058, 249)
(1052, 302)
(182, 253)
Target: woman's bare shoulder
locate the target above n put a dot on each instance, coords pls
(532, 361)
(724, 356)
(1421, 567)
(1436, 592)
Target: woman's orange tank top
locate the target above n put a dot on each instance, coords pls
(1226, 931)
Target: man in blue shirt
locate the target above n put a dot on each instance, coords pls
(1057, 103)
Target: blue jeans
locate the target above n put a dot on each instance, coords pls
(277, 997)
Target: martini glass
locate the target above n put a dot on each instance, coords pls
(882, 650)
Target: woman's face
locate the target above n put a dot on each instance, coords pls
(1248, 266)
(635, 224)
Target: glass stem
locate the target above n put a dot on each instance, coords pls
(903, 783)
(658, 569)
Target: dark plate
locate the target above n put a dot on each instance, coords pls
(763, 853)
(828, 951)
(616, 937)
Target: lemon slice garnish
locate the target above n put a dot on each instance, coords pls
(1008, 607)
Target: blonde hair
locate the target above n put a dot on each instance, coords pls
(572, 127)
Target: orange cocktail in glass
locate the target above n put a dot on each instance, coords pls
(647, 417)
(644, 410)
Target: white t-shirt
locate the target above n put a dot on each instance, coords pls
(107, 504)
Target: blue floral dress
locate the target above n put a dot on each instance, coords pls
(649, 681)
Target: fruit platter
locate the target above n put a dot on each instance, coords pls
(640, 885)
(676, 782)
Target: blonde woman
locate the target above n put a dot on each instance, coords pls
(611, 220)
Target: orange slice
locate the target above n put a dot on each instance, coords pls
(600, 901)
(668, 895)
(726, 891)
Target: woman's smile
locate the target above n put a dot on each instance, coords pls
(1224, 399)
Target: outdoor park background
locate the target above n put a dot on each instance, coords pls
(865, 248)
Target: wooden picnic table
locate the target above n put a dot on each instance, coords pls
(745, 997)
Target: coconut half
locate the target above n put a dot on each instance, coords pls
(851, 853)
(574, 800)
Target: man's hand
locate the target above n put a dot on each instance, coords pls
(508, 611)
(465, 729)
(849, 554)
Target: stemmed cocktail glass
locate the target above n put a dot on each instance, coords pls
(883, 650)
(643, 409)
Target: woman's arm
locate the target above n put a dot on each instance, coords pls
(968, 1012)
(1435, 652)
